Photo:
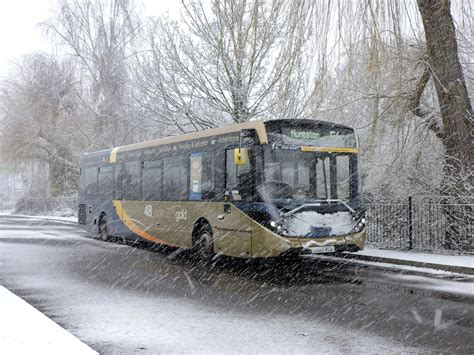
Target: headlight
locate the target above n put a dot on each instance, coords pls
(276, 226)
(360, 225)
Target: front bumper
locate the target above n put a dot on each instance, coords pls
(266, 243)
(351, 242)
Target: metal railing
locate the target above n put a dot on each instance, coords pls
(425, 224)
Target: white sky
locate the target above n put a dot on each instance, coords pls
(19, 33)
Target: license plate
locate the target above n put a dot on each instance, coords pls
(325, 249)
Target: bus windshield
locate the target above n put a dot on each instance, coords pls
(299, 175)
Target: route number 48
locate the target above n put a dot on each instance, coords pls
(148, 210)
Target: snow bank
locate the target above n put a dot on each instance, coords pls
(25, 330)
(453, 260)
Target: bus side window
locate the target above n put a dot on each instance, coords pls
(152, 180)
(175, 182)
(218, 160)
(208, 174)
(118, 181)
(132, 181)
(90, 181)
(201, 176)
(106, 181)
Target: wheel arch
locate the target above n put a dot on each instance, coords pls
(201, 221)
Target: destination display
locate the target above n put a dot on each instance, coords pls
(338, 137)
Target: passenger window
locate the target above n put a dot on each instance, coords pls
(152, 180)
(90, 181)
(175, 178)
(118, 181)
(132, 181)
(201, 177)
(195, 176)
(106, 181)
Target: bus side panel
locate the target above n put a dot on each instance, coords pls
(172, 223)
(116, 226)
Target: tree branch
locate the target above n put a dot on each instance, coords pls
(414, 103)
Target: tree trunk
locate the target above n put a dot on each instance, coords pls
(455, 106)
(456, 113)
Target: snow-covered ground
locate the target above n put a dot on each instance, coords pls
(53, 218)
(25, 330)
(443, 280)
(127, 300)
(433, 258)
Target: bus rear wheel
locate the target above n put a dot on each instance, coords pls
(203, 244)
(103, 228)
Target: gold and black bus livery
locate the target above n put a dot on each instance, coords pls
(255, 189)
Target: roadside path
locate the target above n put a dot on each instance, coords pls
(25, 330)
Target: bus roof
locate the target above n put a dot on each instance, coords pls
(257, 125)
(260, 127)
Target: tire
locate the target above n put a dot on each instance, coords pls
(203, 244)
(103, 228)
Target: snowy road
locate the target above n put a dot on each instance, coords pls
(121, 299)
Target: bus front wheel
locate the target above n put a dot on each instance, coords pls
(203, 244)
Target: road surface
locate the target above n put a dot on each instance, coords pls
(124, 299)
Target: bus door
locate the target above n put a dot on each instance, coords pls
(231, 227)
(235, 227)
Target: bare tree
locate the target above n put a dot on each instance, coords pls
(457, 133)
(224, 62)
(378, 50)
(100, 36)
(36, 102)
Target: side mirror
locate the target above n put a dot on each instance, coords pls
(240, 156)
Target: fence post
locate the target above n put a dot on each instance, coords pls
(410, 223)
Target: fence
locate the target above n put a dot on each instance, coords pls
(438, 224)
